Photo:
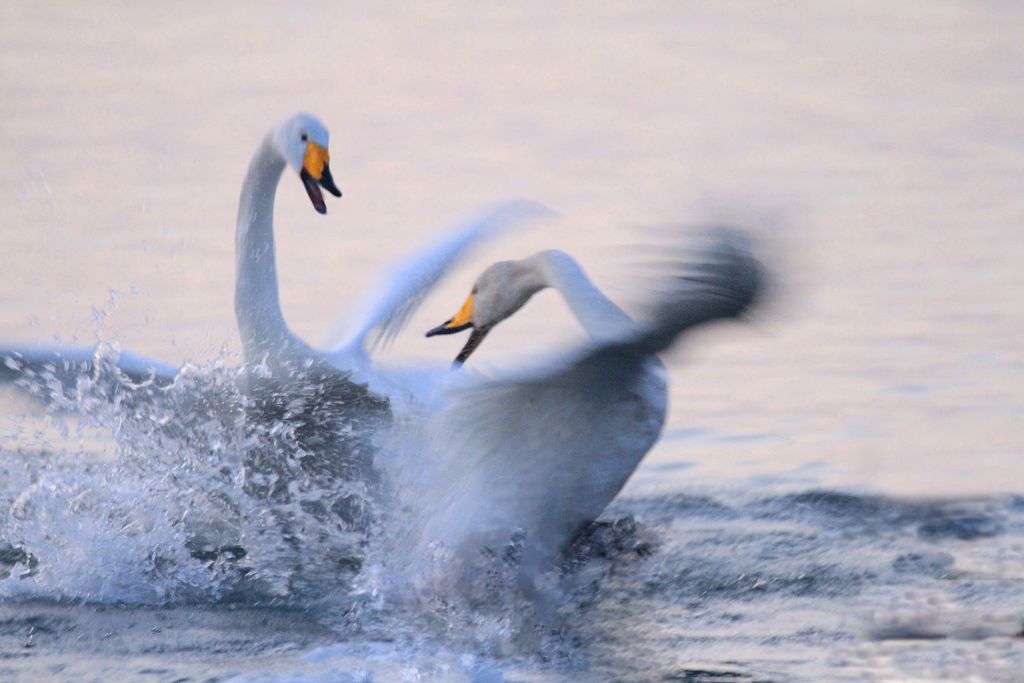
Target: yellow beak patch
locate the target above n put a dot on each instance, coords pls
(463, 316)
(316, 159)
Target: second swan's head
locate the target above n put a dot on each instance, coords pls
(302, 141)
(500, 291)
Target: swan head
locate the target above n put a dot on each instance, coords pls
(500, 291)
(302, 141)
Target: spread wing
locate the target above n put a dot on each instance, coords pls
(39, 367)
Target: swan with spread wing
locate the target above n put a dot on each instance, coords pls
(542, 451)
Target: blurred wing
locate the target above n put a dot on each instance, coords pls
(721, 280)
(383, 315)
(46, 364)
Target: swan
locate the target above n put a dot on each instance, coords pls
(300, 142)
(540, 452)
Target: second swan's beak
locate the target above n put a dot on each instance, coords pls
(462, 321)
(315, 174)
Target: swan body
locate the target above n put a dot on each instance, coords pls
(542, 451)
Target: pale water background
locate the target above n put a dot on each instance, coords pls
(837, 495)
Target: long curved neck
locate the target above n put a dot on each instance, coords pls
(598, 314)
(257, 307)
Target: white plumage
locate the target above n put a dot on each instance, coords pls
(543, 451)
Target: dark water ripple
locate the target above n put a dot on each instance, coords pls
(815, 573)
(727, 586)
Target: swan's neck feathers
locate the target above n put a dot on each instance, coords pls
(598, 314)
(257, 307)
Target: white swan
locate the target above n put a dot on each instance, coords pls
(302, 143)
(543, 451)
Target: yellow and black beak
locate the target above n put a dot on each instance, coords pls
(315, 170)
(462, 321)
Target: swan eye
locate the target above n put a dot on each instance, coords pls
(303, 136)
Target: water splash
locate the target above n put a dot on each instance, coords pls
(177, 514)
(211, 497)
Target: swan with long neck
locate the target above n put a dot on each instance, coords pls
(544, 450)
(330, 419)
(302, 143)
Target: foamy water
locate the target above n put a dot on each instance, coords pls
(837, 492)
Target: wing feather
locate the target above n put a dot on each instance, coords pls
(33, 366)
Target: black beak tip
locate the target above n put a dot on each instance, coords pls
(471, 344)
(327, 182)
(444, 329)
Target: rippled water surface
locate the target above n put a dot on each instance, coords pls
(838, 491)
